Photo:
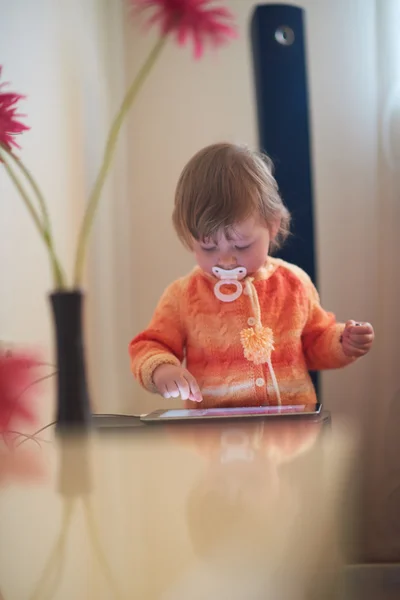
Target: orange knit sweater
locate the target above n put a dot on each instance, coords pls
(191, 324)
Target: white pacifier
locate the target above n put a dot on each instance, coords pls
(229, 277)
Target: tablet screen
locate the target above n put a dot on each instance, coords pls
(238, 411)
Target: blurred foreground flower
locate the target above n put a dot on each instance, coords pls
(16, 388)
(10, 125)
(17, 379)
(199, 20)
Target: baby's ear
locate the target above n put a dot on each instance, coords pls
(274, 229)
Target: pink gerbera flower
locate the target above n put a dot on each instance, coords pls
(10, 126)
(199, 20)
(16, 387)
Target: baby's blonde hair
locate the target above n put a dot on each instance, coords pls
(223, 185)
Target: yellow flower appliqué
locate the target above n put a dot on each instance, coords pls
(258, 343)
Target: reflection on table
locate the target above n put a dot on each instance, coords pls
(228, 510)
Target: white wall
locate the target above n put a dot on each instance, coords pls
(30, 55)
(26, 36)
(60, 56)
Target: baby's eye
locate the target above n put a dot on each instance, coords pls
(242, 247)
(208, 249)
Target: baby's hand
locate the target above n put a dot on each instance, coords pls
(357, 339)
(172, 381)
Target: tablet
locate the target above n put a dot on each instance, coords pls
(240, 412)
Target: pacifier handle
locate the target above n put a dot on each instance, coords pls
(229, 277)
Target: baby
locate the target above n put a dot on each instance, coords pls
(249, 327)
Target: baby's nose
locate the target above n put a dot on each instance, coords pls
(227, 262)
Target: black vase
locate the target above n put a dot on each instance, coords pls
(73, 403)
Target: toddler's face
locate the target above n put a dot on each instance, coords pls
(245, 245)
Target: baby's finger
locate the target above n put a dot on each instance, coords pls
(353, 351)
(195, 393)
(361, 330)
(362, 345)
(358, 352)
(173, 390)
(164, 392)
(360, 341)
(184, 389)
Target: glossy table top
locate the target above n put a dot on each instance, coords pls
(229, 510)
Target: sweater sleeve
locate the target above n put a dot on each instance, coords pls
(321, 336)
(162, 342)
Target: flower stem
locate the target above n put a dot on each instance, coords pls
(57, 273)
(108, 157)
(42, 203)
(59, 276)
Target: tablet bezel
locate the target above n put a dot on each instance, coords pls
(311, 410)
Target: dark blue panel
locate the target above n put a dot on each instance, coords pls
(283, 118)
